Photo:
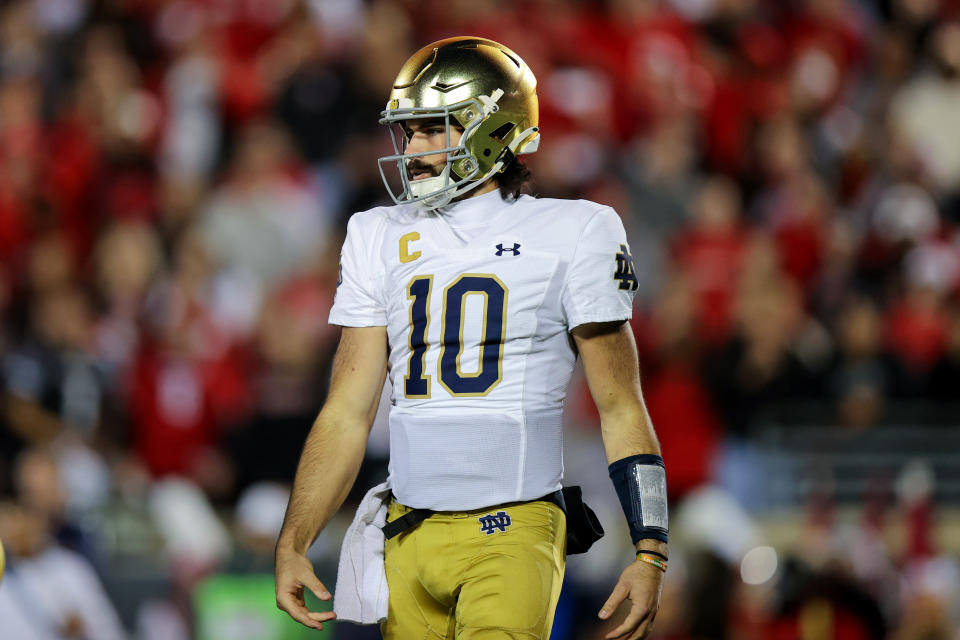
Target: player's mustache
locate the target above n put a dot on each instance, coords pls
(415, 166)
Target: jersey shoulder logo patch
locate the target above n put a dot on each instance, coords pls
(494, 522)
(625, 273)
(515, 249)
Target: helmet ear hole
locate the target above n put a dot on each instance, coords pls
(486, 152)
(500, 133)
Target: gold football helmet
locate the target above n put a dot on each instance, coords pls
(487, 90)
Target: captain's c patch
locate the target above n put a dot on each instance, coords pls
(405, 240)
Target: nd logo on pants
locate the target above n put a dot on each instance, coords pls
(490, 574)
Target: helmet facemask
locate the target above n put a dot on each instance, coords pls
(461, 171)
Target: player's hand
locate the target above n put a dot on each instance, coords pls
(294, 573)
(641, 584)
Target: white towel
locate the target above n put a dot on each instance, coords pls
(361, 593)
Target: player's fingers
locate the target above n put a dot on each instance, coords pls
(303, 619)
(646, 626)
(295, 609)
(619, 593)
(313, 583)
(630, 624)
(323, 616)
(288, 602)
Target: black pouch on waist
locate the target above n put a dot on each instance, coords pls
(583, 526)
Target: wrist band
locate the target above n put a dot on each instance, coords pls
(641, 485)
(654, 553)
(655, 561)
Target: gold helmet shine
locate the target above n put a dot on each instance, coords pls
(485, 89)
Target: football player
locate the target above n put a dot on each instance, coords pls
(476, 301)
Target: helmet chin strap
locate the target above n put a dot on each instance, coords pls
(425, 186)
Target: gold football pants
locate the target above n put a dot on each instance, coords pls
(489, 574)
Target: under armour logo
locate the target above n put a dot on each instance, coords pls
(515, 249)
(495, 521)
(625, 273)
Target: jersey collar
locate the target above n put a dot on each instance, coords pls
(475, 211)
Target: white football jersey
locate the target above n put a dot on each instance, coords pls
(480, 354)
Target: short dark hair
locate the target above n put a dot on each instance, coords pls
(514, 180)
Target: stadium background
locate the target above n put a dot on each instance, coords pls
(176, 177)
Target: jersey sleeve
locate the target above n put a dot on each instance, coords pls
(600, 282)
(359, 300)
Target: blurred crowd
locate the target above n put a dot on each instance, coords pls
(175, 180)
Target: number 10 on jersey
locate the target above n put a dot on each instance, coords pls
(416, 384)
